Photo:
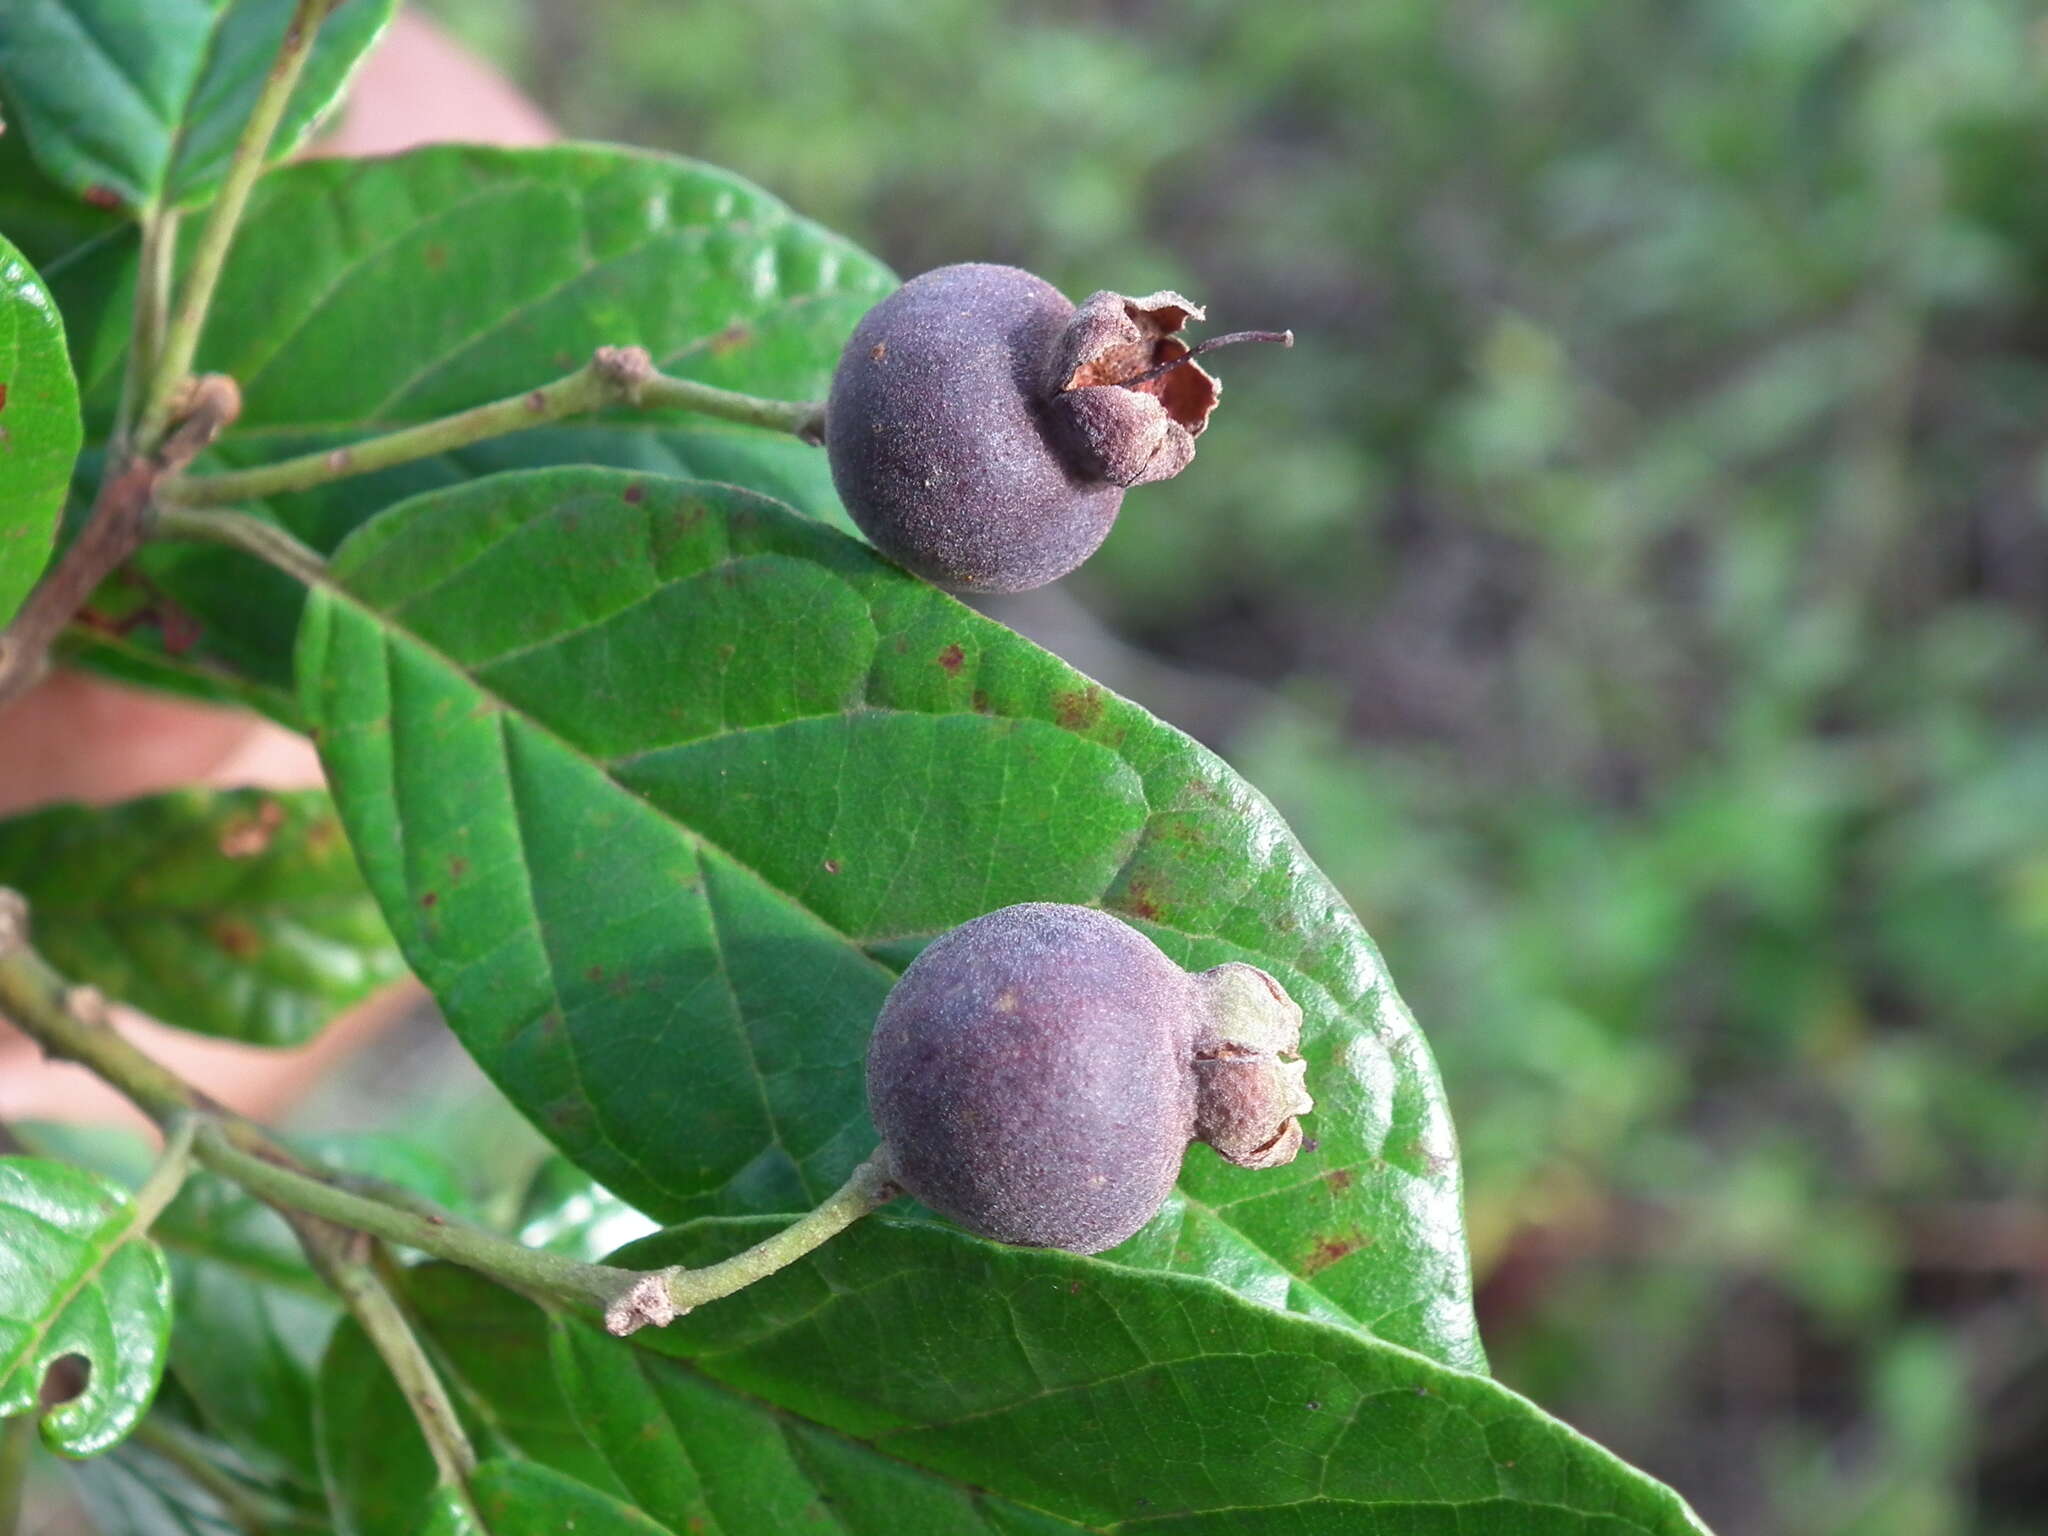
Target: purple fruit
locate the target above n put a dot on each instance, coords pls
(1037, 1074)
(982, 430)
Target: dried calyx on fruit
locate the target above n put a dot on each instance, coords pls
(1037, 1074)
(982, 430)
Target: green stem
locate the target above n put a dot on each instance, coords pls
(153, 281)
(173, 1164)
(345, 1263)
(613, 376)
(209, 257)
(660, 1298)
(69, 1022)
(239, 530)
(553, 1276)
(17, 1438)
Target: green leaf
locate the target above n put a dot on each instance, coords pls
(449, 1513)
(660, 784)
(496, 1366)
(129, 1493)
(172, 1479)
(482, 272)
(47, 223)
(78, 1278)
(39, 427)
(246, 1348)
(1103, 1399)
(236, 913)
(907, 1380)
(138, 103)
(522, 1498)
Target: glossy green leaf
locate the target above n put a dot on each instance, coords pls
(138, 103)
(235, 913)
(77, 1278)
(376, 1468)
(479, 273)
(660, 784)
(39, 426)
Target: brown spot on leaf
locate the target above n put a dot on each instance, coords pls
(247, 836)
(1339, 1180)
(3, 397)
(1073, 1287)
(179, 629)
(234, 939)
(102, 197)
(951, 658)
(635, 493)
(457, 867)
(1139, 899)
(436, 257)
(732, 336)
(430, 898)
(1331, 1250)
(831, 866)
(980, 702)
(567, 1114)
(595, 973)
(1078, 711)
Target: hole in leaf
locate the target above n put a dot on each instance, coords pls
(66, 1379)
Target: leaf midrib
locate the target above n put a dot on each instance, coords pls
(126, 1218)
(391, 626)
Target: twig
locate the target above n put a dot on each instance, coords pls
(345, 1262)
(113, 533)
(552, 1276)
(166, 1178)
(239, 530)
(153, 281)
(613, 376)
(665, 1295)
(70, 1023)
(181, 337)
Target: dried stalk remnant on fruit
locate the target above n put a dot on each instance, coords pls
(982, 430)
(1038, 1073)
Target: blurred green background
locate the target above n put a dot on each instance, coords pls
(1634, 588)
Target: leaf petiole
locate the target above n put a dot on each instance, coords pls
(181, 336)
(613, 376)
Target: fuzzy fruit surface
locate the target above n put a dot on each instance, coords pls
(939, 439)
(1037, 1074)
